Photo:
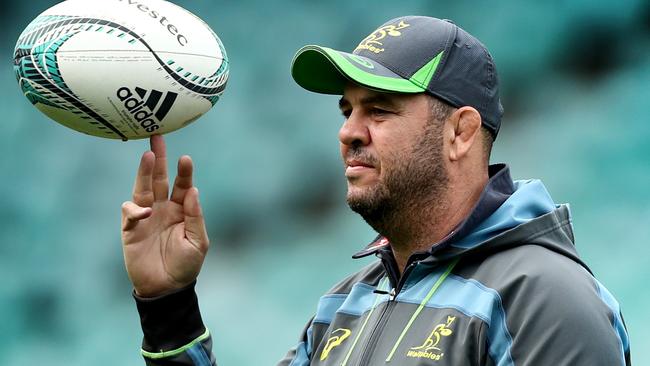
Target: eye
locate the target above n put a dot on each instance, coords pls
(375, 111)
(346, 113)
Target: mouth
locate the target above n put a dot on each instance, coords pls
(358, 164)
(356, 167)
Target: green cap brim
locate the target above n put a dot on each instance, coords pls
(327, 71)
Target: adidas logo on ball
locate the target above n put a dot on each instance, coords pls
(137, 44)
(143, 109)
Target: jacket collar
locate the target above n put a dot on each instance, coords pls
(496, 191)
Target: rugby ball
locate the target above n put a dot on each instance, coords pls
(121, 69)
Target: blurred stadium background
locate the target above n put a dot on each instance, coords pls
(576, 87)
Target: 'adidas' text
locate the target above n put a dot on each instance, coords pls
(143, 110)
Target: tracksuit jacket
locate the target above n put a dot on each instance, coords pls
(506, 287)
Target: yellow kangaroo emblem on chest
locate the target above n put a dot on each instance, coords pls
(439, 331)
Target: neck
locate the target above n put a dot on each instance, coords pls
(416, 227)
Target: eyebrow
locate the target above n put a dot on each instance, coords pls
(381, 99)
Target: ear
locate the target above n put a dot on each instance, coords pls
(466, 125)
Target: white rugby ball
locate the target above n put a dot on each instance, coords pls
(121, 69)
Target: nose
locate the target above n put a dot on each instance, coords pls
(354, 131)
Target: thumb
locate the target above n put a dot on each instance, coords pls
(132, 214)
(194, 222)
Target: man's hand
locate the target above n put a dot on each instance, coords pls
(164, 238)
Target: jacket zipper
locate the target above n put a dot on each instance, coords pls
(378, 329)
(402, 281)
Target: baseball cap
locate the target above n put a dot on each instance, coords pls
(410, 54)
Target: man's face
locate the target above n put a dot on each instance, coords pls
(392, 152)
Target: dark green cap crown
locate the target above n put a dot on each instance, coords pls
(411, 54)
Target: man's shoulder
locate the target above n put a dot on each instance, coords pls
(531, 263)
(533, 277)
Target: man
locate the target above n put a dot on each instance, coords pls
(474, 269)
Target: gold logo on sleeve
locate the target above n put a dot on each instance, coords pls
(373, 42)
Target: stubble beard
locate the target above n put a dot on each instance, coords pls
(415, 183)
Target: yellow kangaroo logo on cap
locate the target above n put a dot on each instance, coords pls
(334, 341)
(373, 41)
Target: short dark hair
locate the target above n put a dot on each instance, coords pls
(441, 110)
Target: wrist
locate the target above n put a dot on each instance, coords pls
(148, 292)
(171, 320)
(151, 294)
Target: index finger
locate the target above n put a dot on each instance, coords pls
(160, 179)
